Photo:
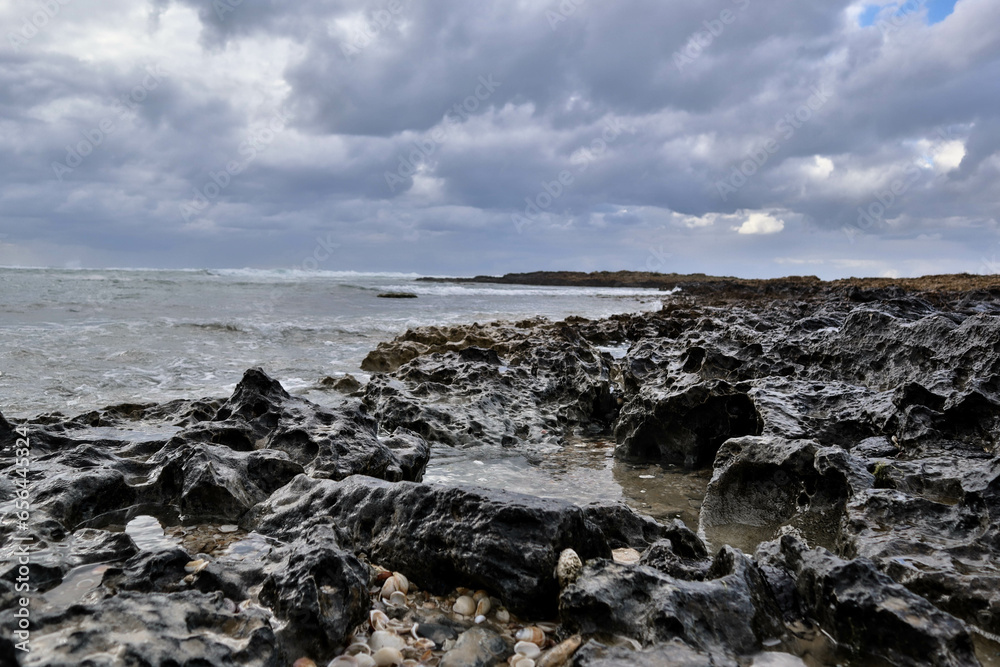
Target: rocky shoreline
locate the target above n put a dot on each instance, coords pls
(852, 431)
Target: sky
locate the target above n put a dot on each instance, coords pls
(731, 137)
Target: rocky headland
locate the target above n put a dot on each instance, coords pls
(851, 431)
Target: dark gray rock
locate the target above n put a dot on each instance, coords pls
(944, 541)
(731, 611)
(441, 537)
(185, 628)
(439, 633)
(864, 609)
(208, 482)
(319, 592)
(624, 527)
(767, 482)
(681, 553)
(498, 385)
(684, 424)
(675, 653)
(325, 443)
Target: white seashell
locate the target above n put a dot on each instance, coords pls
(384, 657)
(364, 660)
(228, 528)
(388, 587)
(502, 615)
(402, 583)
(399, 627)
(524, 662)
(398, 598)
(483, 607)
(378, 619)
(424, 644)
(527, 649)
(359, 648)
(561, 654)
(568, 568)
(196, 566)
(465, 606)
(479, 619)
(547, 627)
(343, 661)
(532, 633)
(381, 639)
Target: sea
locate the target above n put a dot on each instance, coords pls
(74, 340)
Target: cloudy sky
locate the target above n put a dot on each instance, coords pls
(737, 137)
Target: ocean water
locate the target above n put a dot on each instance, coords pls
(77, 340)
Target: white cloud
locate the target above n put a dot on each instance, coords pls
(949, 155)
(761, 223)
(821, 168)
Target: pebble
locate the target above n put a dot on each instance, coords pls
(384, 657)
(568, 568)
(626, 555)
(465, 606)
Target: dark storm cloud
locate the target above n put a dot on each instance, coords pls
(725, 136)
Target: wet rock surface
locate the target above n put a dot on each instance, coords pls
(731, 610)
(505, 543)
(852, 433)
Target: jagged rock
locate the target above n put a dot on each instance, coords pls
(516, 393)
(319, 592)
(675, 653)
(623, 527)
(682, 554)
(156, 571)
(863, 608)
(218, 465)
(766, 482)
(345, 385)
(206, 482)
(685, 424)
(185, 628)
(441, 537)
(731, 611)
(945, 537)
(331, 444)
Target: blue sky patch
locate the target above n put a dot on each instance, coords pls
(937, 10)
